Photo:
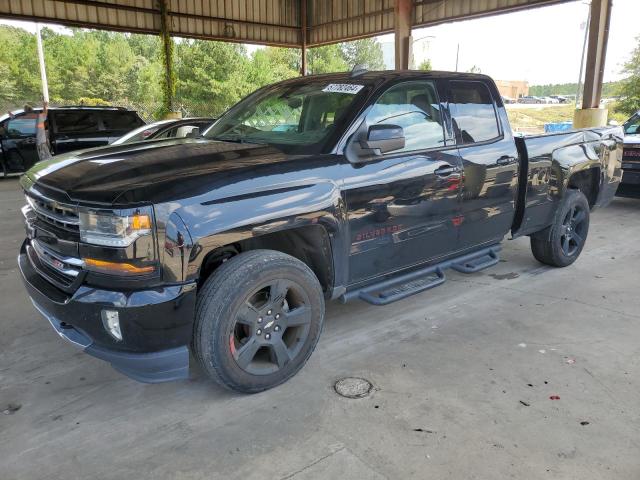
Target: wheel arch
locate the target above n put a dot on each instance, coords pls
(311, 244)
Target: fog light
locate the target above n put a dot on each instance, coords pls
(111, 322)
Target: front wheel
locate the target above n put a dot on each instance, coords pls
(561, 243)
(258, 319)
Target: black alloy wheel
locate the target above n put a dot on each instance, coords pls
(271, 327)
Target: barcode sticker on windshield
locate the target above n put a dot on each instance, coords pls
(349, 88)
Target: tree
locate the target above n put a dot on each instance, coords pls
(366, 52)
(425, 65)
(630, 86)
(273, 64)
(211, 76)
(326, 59)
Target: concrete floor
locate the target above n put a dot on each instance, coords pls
(462, 375)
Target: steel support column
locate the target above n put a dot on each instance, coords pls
(403, 11)
(596, 52)
(304, 37)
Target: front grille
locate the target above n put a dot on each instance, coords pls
(64, 273)
(54, 213)
(53, 227)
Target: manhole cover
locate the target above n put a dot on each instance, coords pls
(353, 387)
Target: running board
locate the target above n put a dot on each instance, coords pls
(404, 285)
(479, 262)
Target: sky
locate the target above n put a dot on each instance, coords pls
(541, 45)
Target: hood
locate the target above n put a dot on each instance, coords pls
(150, 172)
(632, 140)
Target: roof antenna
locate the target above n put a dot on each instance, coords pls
(358, 70)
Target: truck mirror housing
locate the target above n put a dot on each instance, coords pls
(383, 138)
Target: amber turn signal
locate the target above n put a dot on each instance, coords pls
(116, 267)
(141, 222)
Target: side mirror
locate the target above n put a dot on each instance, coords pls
(613, 123)
(383, 138)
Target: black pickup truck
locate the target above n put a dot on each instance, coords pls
(336, 186)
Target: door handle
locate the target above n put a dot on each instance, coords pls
(446, 170)
(505, 160)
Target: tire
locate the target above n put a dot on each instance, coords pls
(258, 319)
(561, 243)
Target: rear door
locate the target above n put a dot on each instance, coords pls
(489, 161)
(19, 143)
(75, 129)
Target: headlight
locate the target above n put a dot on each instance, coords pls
(115, 229)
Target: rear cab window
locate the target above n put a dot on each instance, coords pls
(475, 118)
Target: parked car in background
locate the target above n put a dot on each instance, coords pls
(229, 244)
(530, 99)
(508, 100)
(162, 129)
(69, 128)
(630, 185)
(560, 98)
(550, 100)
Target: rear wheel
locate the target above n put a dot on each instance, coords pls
(258, 319)
(561, 243)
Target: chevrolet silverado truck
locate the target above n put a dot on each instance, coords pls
(334, 187)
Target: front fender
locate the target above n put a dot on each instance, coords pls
(219, 222)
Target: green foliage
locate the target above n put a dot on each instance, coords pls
(93, 102)
(343, 57)
(425, 65)
(100, 67)
(366, 52)
(609, 89)
(629, 89)
(326, 59)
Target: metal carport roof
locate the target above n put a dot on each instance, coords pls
(291, 23)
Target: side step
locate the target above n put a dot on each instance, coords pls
(479, 262)
(407, 284)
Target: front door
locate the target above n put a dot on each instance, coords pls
(19, 143)
(402, 206)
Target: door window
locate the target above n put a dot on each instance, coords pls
(474, 114)
(415, 107)
(76, 121)
(120, 120)
(22, 126)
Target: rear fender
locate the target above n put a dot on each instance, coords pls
(600, 151)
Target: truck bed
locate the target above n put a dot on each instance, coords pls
(547, 161)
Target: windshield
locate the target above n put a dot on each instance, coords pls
(632, 126)
(141, 133)
(297, 118)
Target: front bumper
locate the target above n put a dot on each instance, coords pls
(631, 177)
(156, 324)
